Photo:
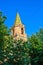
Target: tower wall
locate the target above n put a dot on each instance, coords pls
(19, 30)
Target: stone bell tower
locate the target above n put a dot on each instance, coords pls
(18, 30)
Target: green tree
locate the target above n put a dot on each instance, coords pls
(3, 34)
(3, 29)
(40, 34)
(36, 48)
(17, 53)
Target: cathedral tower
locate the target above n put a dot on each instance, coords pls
(18, 30)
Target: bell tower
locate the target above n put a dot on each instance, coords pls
(18, 30)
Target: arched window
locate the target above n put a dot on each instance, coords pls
(22, 31)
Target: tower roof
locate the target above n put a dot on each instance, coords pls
(18, 20)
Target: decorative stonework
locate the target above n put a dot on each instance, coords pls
(18, 30)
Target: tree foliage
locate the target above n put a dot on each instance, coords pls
(13, 52)
(36, 51)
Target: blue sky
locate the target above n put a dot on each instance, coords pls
(30, 11)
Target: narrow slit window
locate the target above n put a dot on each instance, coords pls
(22, 31)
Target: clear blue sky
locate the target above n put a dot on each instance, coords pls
(30, 11)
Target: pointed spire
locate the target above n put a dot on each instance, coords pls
(18, 20)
